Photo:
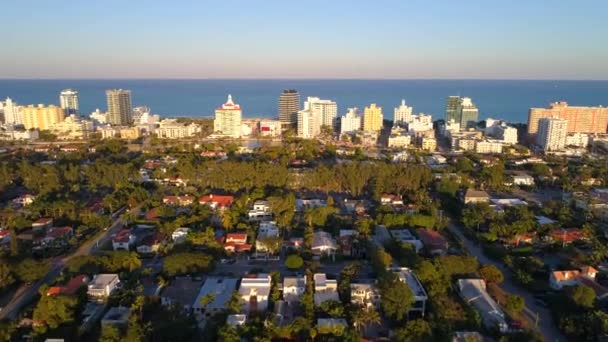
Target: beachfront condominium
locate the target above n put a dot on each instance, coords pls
(41, 116)
(289, 105)
(462, 110)
(552, 133)
(351, 122)
(580, 119)
(68, 99)
(325, 110)
(120, 110)
(403, 115)
(372, 118)
(12, 112)
(228, 119)
(452, 111)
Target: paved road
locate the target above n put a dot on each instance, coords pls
(25, 294)
(546, 325)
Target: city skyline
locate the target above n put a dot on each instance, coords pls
(191, 40)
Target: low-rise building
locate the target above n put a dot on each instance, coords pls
(364, 294)
(123, 240)
(70, 288)
(182, 291)
(254, 291)
(102, 285)
(24, 200)
(433, 241)
(42, 224)
(523, 179)
(473, 291)
(472, 196)
(560, 279)
(151, 243)
(172, 129)
(293, 288)
(325, 289)
(181, 201)
(323, 243)
(420, 297)
(270, 128)
(236, 242)
(260, 212)
(217, 201)
(405, 236)
(267, 230)
(213, 296)
(428, 144)
(180, 234)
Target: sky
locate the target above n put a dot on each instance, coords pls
(365, 39)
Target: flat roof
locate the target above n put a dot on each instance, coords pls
(221, 288)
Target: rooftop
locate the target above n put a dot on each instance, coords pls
(220, 288)
(182, 290)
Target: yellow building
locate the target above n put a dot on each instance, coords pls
(429, 144)
(372, 118)
(41, 116)
(130, 133)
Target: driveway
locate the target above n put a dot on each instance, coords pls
(546, 325)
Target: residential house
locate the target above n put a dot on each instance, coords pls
(24, 200)
(180, 201)
(390, 199)
(567, 235)
(323, 244)
(254, 291)
(523, 179)
(346, 241)
(293, 288)
(364, 294)
(420, 297)
(151, 243)
(304, 204)
(58, 236)
(260, 212)
(267, 230)
(219, 202)
(180, 234)
(123, 240)
(472, 196)
(559, 279)
(295, 242)
(330, 325)
(237, 242)
(70, 288)
(219, 289)
(236, 320)
(103, 285)
(473, 291)
(42, 224)
(182, 291)
(116, 316)
(433, 241)
(519, 239)
(405, 236)
(325, 289)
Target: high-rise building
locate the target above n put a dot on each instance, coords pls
(289, 105)
(420, 123)
(452, 110)
(68, 99)
(463, 111)
(325, 110)
(41, 116)
(372, 118)
(403, 115)
(580, 119)
(469, 114)
(552, 133)
(12, 112)
(308, 124)
(120, 110)
(351, 122)
(228, 119)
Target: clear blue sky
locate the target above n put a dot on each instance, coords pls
(505, 39)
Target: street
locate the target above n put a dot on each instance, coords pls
(25, 294)
(546, 326)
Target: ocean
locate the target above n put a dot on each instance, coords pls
(501, 99)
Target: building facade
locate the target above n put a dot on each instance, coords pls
(402, 115)
(120, 110)
(228, 119)
(351, 122)
(580, 119)
(469, 114)
(289, 106)
(73, 127)
(452, 111)
(171, 129)
(12, 112)
(68, 99)
(552, 133)
(372, 118)
(420, 123)
(41, 116)
(325, 110)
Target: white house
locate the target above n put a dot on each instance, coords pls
(364, 294)
(260, 212)
(325, 289)
(254, 291)
(559, 279)
(293, 288)
(219, 289)
(102, 285)
(266, 230)
(123, 240)
(524, 179)
(323, 244)
(420, 297)
(180, 234)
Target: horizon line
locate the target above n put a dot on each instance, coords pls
(291, 79)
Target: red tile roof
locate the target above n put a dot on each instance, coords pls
(122, 236)
(222, 201)
(236, 238)
(43, 221)
(57, 232)
(432, 238)
(567, 235)
(153, 239)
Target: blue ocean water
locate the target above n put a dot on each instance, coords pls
(504, 99)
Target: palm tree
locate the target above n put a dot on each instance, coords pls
(366, 316)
